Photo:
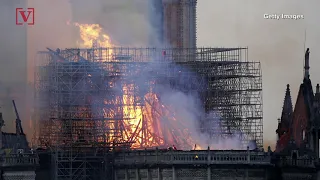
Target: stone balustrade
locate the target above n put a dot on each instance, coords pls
(300, 162)
(193, 157)
(19, 160)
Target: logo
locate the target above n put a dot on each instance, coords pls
(24, 16)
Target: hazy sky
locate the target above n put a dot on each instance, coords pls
(277, 44)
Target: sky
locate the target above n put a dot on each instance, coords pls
(277, 44)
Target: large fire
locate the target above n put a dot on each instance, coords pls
(92, 33)
(146, 125)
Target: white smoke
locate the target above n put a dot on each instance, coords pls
(187, 108)
(183, 98)
(138, 24)
(180, 94)
(129, 22)
(216, 136)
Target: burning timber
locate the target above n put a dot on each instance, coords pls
(113, 96)
(94, 104)
(100, 121)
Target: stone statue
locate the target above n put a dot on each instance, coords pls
(307, 54)
(306, 64)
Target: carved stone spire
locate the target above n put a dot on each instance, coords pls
(287, 109)
(306, 65)
(286, 116)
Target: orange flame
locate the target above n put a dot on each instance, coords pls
(92, 35)
(141, 122)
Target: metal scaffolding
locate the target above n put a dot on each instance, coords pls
(108, 98)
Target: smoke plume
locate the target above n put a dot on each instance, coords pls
(178, 89)
(278, 44)
(134, 23)
(215, 136)
(126, 21)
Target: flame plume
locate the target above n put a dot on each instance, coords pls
(147, 125)
(91, 33)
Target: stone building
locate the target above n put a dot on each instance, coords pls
(17, 160)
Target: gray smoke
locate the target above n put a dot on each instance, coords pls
(178, 90)
(177, 94)
(216, 136)
(277, 44)
(127, 21)
(13, 65)
(124, 20)
(130, 23)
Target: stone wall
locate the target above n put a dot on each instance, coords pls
(197, 173)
